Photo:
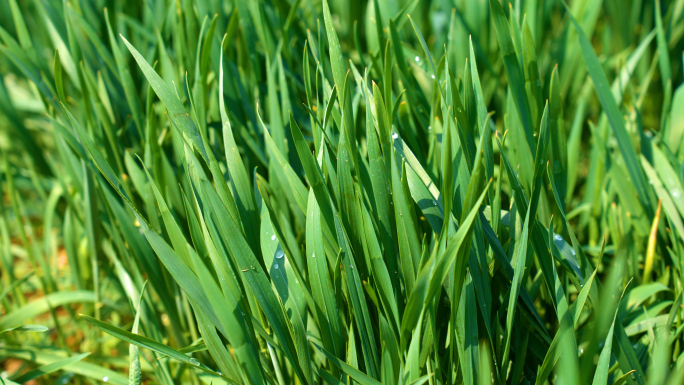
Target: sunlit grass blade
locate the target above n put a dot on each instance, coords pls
(147, 343)
(49, 368)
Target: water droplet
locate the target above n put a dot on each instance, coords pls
(351, 267)
(313, 255)
(433, 76)
(105, 378)
(273, 237)
(581, 285)
(429, 127)
(557, 237)
(581, 351)
(434, 202)
(276, 266)
(279, 254)
(676, 193)
(395, 135)
(417, 58)
(296, 281)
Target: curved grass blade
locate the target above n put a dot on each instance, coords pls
(354, 373)
(146, 343)
(176, 111)
(50, 368)
(326, 311)
(614, 116)
(601, 374)
(26, 328)
(433, 272)
(244, 197)
(35, 308)
(333, 221)
(86, 369)
(520, 264)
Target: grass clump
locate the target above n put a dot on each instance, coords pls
(341, 191)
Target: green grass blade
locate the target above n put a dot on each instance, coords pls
(146, 343)
(614, 117)
(49, 368)
(513, 71)
(176, 112)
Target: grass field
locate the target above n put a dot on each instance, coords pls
(341, 192)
